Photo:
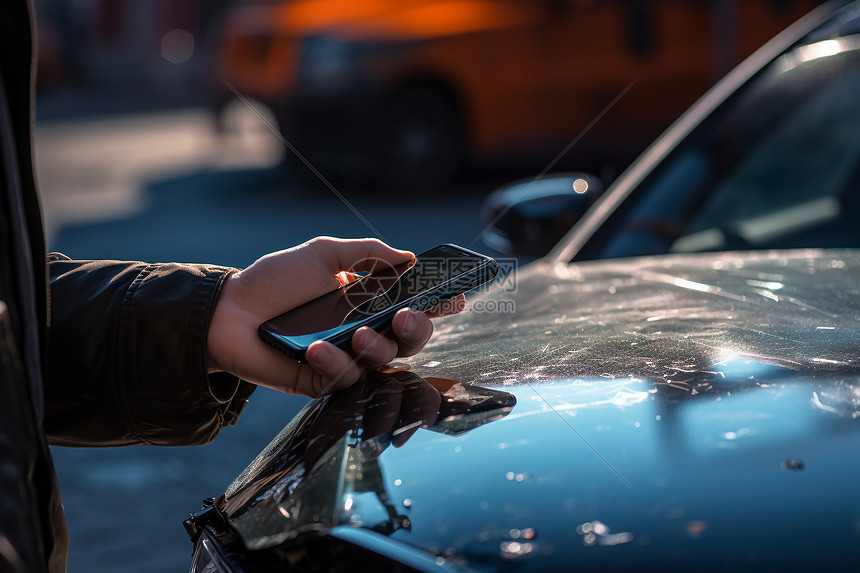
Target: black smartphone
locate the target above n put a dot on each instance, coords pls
(372, 300)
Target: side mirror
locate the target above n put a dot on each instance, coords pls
(528, 217)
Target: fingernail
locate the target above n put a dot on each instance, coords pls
(408, 325)
(322, 355)
(360, 338)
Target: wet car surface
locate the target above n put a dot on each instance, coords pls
(658, 412)
(686, 411)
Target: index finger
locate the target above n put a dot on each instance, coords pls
(358, 255)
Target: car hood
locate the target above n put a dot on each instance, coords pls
(675, 411)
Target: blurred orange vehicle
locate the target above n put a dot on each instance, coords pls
(413, 90)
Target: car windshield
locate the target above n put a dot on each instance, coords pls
(776, 166)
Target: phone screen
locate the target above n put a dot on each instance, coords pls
(387, 287)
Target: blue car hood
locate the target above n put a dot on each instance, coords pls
(695, 412)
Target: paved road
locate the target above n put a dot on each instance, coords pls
(161, 187)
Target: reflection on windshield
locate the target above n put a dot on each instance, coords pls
(775, 167)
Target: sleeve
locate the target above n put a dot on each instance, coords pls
(127, 355)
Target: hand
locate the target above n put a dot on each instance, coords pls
(281, 281)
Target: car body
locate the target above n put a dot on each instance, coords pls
(604, 411)
(673, 412)
(412, 89)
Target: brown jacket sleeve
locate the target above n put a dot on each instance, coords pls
(127, 355)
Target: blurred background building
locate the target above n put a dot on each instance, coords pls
(412, 92)
(124, 53)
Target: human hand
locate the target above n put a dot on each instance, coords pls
(284, 280)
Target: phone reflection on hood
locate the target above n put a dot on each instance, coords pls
(307, 478)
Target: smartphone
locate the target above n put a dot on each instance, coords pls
(372, 300)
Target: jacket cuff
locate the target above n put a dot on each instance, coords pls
(169, 397)
(127, 355)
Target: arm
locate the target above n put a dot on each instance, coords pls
(127, 355)
(143, 353)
